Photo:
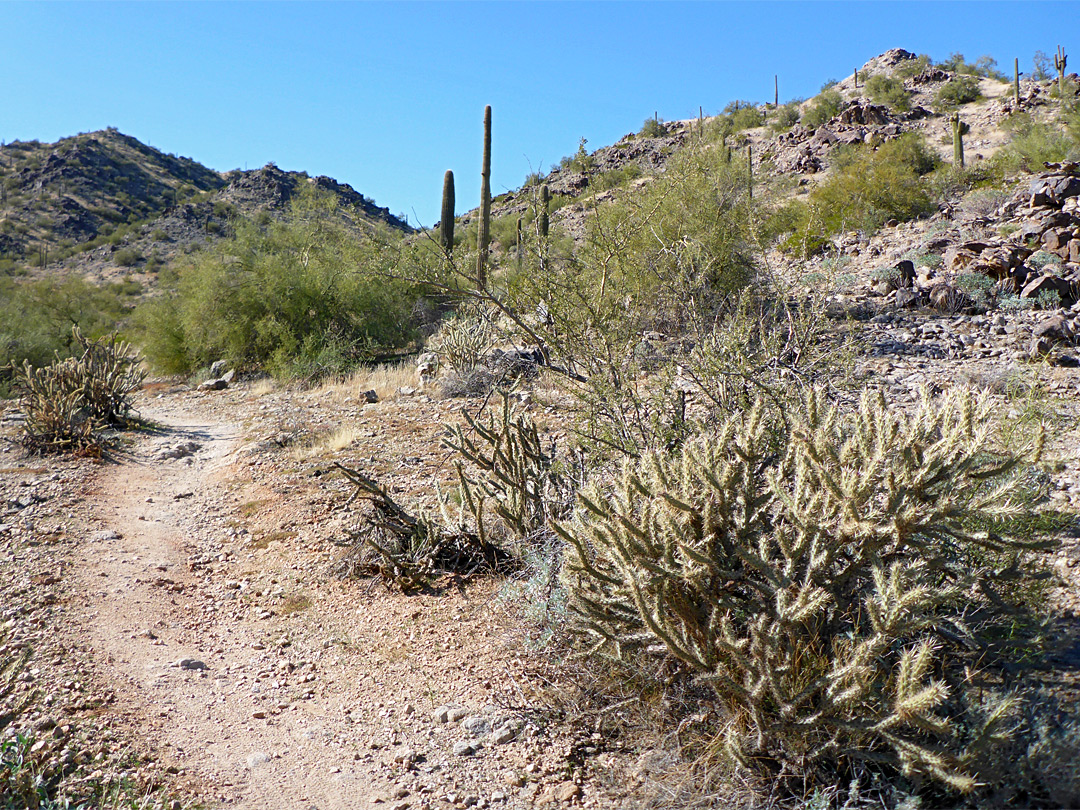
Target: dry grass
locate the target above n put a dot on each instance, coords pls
(323, 444)
(384, 379)
(263, 387)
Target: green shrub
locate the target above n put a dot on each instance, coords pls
(307, 296)
(786, 116)
(36, 319)
(869, 187)
(652, 128)
(1034, 143)
(826, 105)
(983, 66)
(958, 90)
(127, 257)
(835, 579)
(912, 67)
(889, 91)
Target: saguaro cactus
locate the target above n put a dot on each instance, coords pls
(545, 203)
(1059, 64)
(446, 223)
(750, 170)
(1016, 82)
(484, 234)
(776, 92)
(958, 130)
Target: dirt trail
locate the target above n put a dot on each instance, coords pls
(264, 681)
(175, 659)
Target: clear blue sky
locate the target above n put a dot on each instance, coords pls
(387, 96)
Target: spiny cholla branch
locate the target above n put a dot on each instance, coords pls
(824, 592)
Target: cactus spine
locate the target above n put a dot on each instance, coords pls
(446, 223)
(545, 203)
(958, 128)
(484, 233)
(1016, 82)
(1059, 64)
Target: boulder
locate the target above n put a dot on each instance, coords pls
(1047, 283)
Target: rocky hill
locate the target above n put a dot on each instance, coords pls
(103, 204)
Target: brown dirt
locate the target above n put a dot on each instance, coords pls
(316, 692)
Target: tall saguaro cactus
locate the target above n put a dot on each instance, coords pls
(1016, 82)
(446, 222)
(958, 129)
(484, 232)
(750, 171)
(545, 203)
(1059, 63)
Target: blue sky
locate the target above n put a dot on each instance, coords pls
(387, 96)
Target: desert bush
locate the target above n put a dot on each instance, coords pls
(870, 186)
(652, 128)
(746, 117)
(308, 296)
(1033, 143)
(958, 90)
(889, 91)
(835, 578)
(786, 116)
(912, 67)
(827, 104)
(36, 319)
(983, 66)
(127, 257)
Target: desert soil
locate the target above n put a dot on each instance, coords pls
(195, 597)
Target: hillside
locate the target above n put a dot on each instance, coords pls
(105, 206)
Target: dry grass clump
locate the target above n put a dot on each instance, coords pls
(324, 444)
(385, 380)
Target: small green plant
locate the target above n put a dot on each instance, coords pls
(786, 116)
(127, 257)
(983, 66)
(889, 91)
(1034, 143)
(1040, 259)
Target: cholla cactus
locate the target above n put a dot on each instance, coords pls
(830, 590)
(518, 482)
(64, 401)
(462, 340)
